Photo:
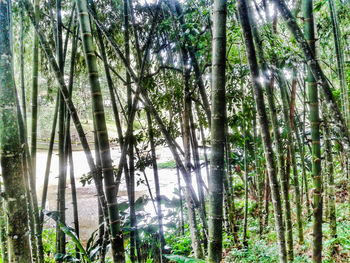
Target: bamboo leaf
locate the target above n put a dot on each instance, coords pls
(68, 231)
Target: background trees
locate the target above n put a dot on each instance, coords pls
(154, 84)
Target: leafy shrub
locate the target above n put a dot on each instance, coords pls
(180, 245)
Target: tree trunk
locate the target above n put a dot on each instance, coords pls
(199, 179)
(61, 190)
(182, 222)
(23, 90)
(263, 121)
(245, 220)
(196, 243)
(11, 150)
(156, 182)
(101, 132)
(35, 92)
(260, 179)
(217, 158)
(131, 174)
(48, 160)
(315, 134)
(290, 136)
(267, 200)
(229, 192)
(329, 171)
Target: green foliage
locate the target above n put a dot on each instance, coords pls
(180, 245)
(49, 243)
(167, 165)
(337, 248)
(182, 259)
(69, 232)
(259, 251)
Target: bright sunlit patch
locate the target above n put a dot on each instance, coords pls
(288, 73)
(261, 79)
(144, 2)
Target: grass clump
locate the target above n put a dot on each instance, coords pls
(171, 164)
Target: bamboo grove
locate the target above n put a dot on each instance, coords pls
(249, 100)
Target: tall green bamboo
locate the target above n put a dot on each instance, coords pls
(186, 138)
(340, 60)
(73, 112)
(245, 156)
(11, 149)
(32, 201)
(315, 68)
(199, 179)
(134, 243)
(260, 178)
(309, 31)
(67, 139)
(35, 92)
(25, 167)
(218, 119)
(269, 83)
(329, 172)
(147, 102)
(228, 187)
(61, 189)
(103, 223)
(156, 181)
(23, 91)
(34, 122)
(303, 156)
(264, 125)
(48, 160)
(101, 132)
(290, 136)
(339, 51)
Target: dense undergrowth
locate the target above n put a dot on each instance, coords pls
(264, 248)
(260, 248)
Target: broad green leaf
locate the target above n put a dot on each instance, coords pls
(68, 231)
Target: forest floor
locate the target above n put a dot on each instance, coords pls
(265, 250)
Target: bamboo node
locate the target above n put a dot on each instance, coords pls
(88, 34)
(108, 169)
(115, 221)
(216, 217)
(112, 204)
(110, 186)
(102, 132)
(98, 113)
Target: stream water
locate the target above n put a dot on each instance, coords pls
(86, 195)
